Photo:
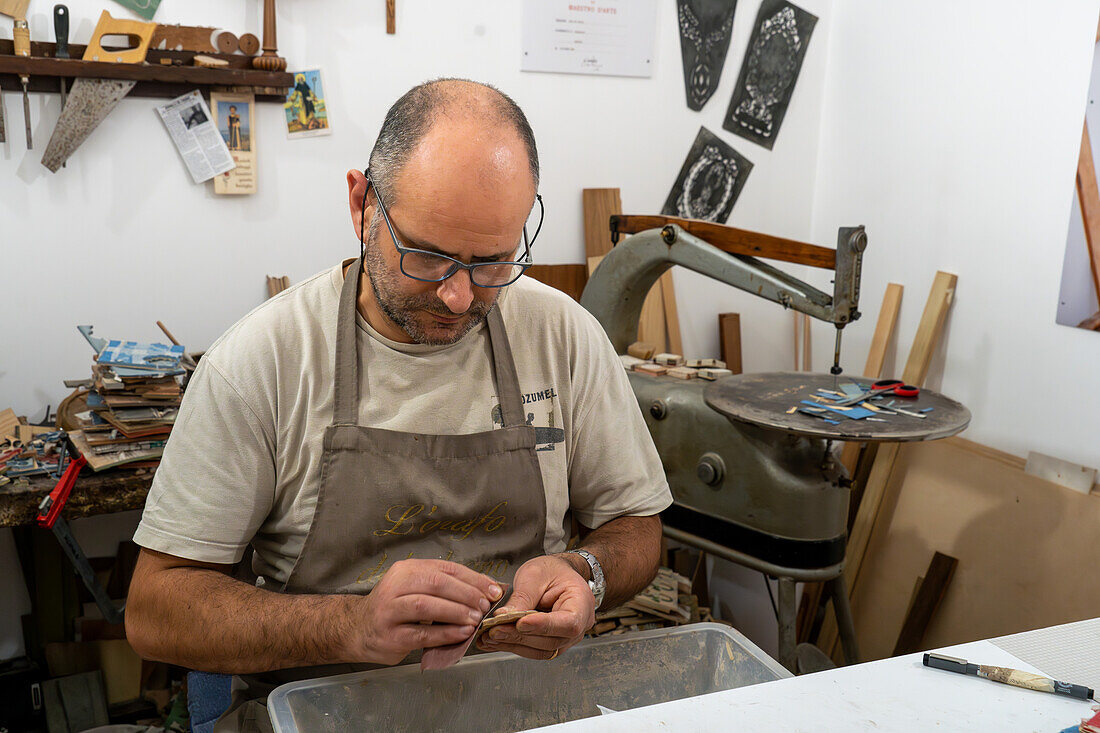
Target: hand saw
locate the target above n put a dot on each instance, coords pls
(91, 100)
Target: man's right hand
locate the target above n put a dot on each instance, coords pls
(419, 604)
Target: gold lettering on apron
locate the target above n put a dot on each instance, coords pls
(410, 512)
(376, 570)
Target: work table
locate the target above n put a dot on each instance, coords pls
(897, 694)
(116, 490)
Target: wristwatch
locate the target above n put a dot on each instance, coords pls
(597, 584)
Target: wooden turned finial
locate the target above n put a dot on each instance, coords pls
(270, 61)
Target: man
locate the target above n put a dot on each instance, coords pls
(421, 427)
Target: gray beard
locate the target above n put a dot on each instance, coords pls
(402, 309)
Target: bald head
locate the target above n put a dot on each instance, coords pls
(430, 113)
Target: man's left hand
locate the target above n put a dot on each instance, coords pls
(550, 584)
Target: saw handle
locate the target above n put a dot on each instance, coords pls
(61, 31)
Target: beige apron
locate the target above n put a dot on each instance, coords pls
(476, 499)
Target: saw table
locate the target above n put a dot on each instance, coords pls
(750, 483)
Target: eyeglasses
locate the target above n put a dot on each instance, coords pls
(432, 267)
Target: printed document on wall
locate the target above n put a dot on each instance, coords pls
(609, 37)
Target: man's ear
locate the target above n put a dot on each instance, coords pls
(357, 185)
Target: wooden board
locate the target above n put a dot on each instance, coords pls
(1089, 197)
(930, 593)
(672, 315)
(729, 339)
(876, 356)
(916, 369)
(1022, 545)
(738, 241)
(570, 279)
(600, 204)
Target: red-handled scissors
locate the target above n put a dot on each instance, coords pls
(895, 387)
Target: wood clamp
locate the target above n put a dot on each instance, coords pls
(49, 517)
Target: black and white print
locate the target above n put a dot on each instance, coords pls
(769, 71)
(710, 180)
(705, 29)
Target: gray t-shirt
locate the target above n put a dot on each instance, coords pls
(243, 463)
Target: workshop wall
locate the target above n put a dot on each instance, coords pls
(121, 237)
(952, 131)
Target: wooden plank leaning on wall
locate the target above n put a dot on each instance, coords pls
(916, 369)
(659, 323)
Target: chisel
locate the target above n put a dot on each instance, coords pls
(61, 35)
(22, 37)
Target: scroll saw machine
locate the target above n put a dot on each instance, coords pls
(767, 499)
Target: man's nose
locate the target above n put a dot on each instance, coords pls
(457, 292)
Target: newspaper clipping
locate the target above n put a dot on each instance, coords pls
(196, 136)
(234, 114)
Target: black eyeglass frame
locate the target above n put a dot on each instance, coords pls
(456, 265)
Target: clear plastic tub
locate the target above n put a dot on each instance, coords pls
(502, 692)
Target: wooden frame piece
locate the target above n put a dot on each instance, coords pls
(1089, 197)
(733, 240)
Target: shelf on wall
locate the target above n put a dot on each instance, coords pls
(154, 78)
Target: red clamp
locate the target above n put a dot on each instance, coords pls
(50, 508)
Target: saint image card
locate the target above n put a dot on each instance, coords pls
(306, 107)
(234, 115)
(769, 71)
(705, 30)
(710, 180)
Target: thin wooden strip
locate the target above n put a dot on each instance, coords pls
(916, 369)
(672, 315)
(736, 241)
(807, 355)
(1089, 197)
(928, 599)
(600, 204)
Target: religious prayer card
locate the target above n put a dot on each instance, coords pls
(710, 180)
(306, 106)
(705, 30)
(234, 115)
(769, 71)
(608, 37)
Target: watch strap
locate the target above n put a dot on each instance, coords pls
(598, 584)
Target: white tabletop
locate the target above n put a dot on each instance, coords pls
(897, 694)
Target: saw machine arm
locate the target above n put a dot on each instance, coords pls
(617, 289)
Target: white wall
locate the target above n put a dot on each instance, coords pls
(952, 131)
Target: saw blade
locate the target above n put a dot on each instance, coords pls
(89, 103)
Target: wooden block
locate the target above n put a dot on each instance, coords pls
(183, 38)
(704, 363)
(729, 336)
(570, 279)
(637, 349)
(670, 360)
(9, 424)
(711, 374)
(654, 369)
(682, 372)
(651, 321)
(603, 627)
(1071, 475)
(927, 600)
(629, 362)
